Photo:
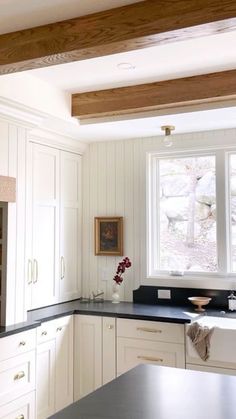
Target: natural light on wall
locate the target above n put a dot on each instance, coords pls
(192, 213)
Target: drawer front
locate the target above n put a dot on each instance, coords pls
(17, 344)
(22, 408)
(17, 377)
(156, 331)
(132, 352)
(46, 332)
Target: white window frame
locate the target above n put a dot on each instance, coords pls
(223, 224)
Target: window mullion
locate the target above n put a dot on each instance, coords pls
(222, 212)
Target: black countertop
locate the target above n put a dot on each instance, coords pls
(163, 313)
(153, 392)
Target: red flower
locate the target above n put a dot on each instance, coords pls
(125, 263)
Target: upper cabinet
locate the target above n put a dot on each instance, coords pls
(53, 226)
(13, 141)
(70, 225)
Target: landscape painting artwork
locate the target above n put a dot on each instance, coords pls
(109, 236)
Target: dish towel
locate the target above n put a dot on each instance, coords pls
(200, 337)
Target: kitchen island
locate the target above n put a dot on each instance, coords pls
(153, 392)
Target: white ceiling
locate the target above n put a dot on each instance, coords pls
(192, 57)
(23, 14)
(179, 59)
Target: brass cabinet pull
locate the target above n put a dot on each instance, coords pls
(20, 417)
(30, 272)
(63, 267)
(35, 271)
(44, 333)
(110, 327)
(150, 358)
(59, 329)
(147, 329)
(19, 375)
(22, 343)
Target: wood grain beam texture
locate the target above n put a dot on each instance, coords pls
(168, 94)
(126, 28)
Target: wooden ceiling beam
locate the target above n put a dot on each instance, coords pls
(136, 26)
(187, 91)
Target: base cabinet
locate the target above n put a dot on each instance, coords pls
(54, 366)
(45, 384)
(95, 353)
(143, 342)
(22, 408)
(88, 350)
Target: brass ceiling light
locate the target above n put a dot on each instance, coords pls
(167, 142)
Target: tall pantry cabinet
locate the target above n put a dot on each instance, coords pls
(53, 243)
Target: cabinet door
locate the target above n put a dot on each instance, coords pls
(22, 408)
(131, 352)
(45, 388)
(70, 225)
(88, 355)
(44, 224)
(109, 349)
(64, 362)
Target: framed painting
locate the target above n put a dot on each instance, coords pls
(108, 236)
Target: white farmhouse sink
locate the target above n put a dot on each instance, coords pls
(223, 343)
(221, 322)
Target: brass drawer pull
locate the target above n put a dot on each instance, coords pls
(150, 358)
(44, 333)
(59, 329)
(19, 375)
(147, 329)
(22, 343)
(20, 417)
(110, 327)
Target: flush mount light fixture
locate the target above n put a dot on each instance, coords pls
(166, 140)
(126, 66)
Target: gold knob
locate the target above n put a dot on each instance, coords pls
(20, 417)
(44, 333)
(19, 375)
(110, 326)
(23, 343)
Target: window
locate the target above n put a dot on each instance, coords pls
(192, 214)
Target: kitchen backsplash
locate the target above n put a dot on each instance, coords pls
(179, 296)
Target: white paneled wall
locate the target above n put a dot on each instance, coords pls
(114, 184)
(12, 163)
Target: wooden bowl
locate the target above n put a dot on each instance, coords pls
(199, 302)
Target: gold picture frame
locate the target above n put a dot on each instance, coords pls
(108, 232)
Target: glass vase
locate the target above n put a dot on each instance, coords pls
(116, 293)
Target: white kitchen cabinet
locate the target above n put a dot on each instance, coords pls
(53, 245)
(88, 355)
(140, 342)
(70, 225)
(64, 362)
(45, 384)
(108, 349)
(17, 375)
(21, 408)
(42, 246)
(54, 388)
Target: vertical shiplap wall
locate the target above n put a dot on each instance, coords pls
(12, 163)
(114, 184)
